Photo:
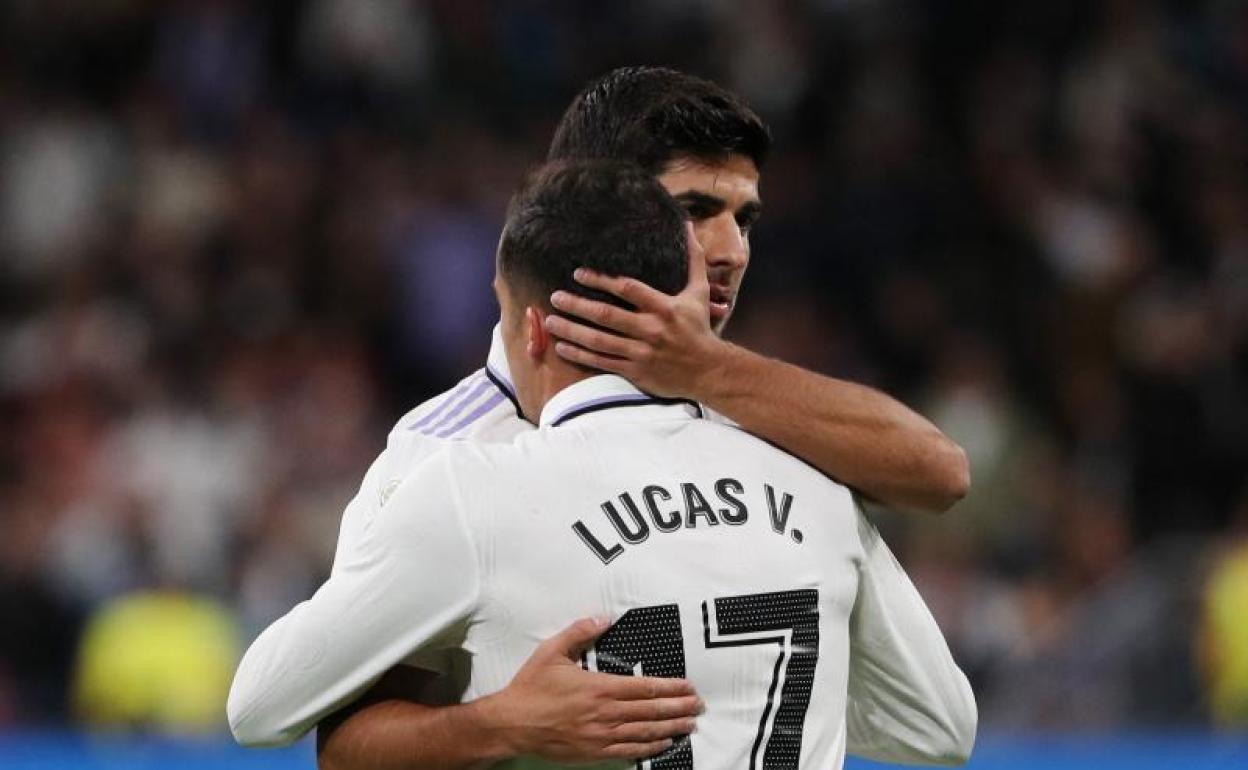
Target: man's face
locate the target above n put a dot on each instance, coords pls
(721, 198)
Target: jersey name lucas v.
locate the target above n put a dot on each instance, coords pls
(667, 512)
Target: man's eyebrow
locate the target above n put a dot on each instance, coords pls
(701, 199)
(750, 210)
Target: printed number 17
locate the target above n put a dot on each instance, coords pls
(648, 641)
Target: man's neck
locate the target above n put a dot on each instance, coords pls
(554, 376)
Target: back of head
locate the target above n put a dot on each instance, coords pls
(653, 115)
(611, 217)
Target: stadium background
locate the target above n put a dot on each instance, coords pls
(238, 240)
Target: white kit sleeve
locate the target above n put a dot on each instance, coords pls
(411, 582)
(908, 700)
(405, 449)
(362, 509)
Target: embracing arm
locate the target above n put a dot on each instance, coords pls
(378, 735)
(375, 731)
(388, 597)
(313, 664)
(552, 708)
(908, 700)
(857, 435)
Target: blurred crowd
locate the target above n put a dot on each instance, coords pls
(239, 240)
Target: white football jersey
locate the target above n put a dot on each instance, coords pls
(481, 408)
(719, 558)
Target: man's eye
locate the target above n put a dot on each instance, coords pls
(697, 211)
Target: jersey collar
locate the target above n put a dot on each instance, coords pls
(497, 370)
(603, 391)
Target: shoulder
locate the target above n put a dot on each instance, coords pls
(439, 413)
(477, 408)
(425, 487)
(422, 525)
(448, 468)
(474, 410)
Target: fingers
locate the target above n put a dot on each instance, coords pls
(654, 710)
(573, 640)
(601, 313)
(636, 750)
(627, 688)
(645, 732)
(642, 296)
(592, 339)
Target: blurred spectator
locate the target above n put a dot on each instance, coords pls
(58, 170)
(156, 661)
(1224, 633)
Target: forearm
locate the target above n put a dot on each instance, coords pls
(402, 735)
(551, 709)
(390, 598)
(857, 435)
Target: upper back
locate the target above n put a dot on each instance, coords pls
(718, 557)
(612, 496)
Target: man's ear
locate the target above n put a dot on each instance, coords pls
(537, 339)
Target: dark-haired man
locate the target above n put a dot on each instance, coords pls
(722, 558)
(706, 147)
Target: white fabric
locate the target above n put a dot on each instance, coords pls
(416, 436)
(475, 550)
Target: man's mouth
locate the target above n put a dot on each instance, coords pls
(720, 302)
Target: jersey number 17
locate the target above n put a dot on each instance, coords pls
(648, 641)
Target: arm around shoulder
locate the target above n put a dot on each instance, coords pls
(855, 434)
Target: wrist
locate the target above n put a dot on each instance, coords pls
(716, 380)
(497, 734)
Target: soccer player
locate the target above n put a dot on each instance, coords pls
(722, 558)
(706, 147)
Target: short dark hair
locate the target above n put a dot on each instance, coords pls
(609, 216)
(653, 115)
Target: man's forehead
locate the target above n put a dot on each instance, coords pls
(734, 179)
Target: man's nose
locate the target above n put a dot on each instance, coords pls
(723, 241)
